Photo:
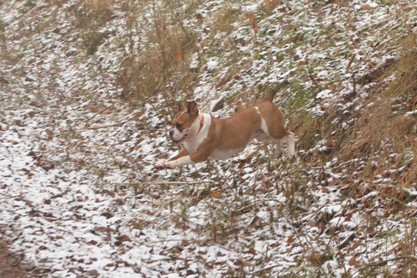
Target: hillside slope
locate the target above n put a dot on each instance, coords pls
(87, 91)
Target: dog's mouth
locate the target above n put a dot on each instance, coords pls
(178, 141)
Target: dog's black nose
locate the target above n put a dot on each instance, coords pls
(171, 133)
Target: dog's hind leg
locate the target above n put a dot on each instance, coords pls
(278, 147)
(290, 141)
(292, 145)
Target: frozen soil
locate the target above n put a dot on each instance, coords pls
(11, 264)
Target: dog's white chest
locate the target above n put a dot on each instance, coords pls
(192, 145)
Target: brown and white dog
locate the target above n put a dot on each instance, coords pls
(205, 137)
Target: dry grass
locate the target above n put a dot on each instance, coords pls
(90, 15)
(382, 133)
(383, 129)
(162, 64)
(4, 53)
(224, 19)
(94, 13)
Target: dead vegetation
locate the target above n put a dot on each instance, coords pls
(161, 61)
(11, 264)
(382, 133)
(385, 133)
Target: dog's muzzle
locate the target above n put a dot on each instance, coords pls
(177, 141)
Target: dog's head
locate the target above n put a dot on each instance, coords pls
(183, 122)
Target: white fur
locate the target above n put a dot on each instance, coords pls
(196, 135)
(291, 144)
(264, 126)
(178, 162)
(289, 140)
(178, 135)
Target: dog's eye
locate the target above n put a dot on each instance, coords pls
(178, 126)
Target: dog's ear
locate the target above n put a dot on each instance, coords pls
(192, 107)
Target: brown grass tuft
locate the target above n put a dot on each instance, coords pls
(163, 64)
(384, 128)
(271, 4)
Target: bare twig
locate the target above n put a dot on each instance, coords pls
(374, 265)
(158, 183)
(112, 125)
(354, 83)
(257, 203)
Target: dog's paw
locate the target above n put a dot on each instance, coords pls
(167, 164)
(159, 166)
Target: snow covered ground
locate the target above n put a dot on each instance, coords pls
(79, 194)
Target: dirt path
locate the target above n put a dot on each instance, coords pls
(11, 265)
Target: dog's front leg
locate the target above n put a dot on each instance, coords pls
(178, 162)
(200, 155)
(168, 162)
(181, 153)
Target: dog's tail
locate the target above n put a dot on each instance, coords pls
(271, 95)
